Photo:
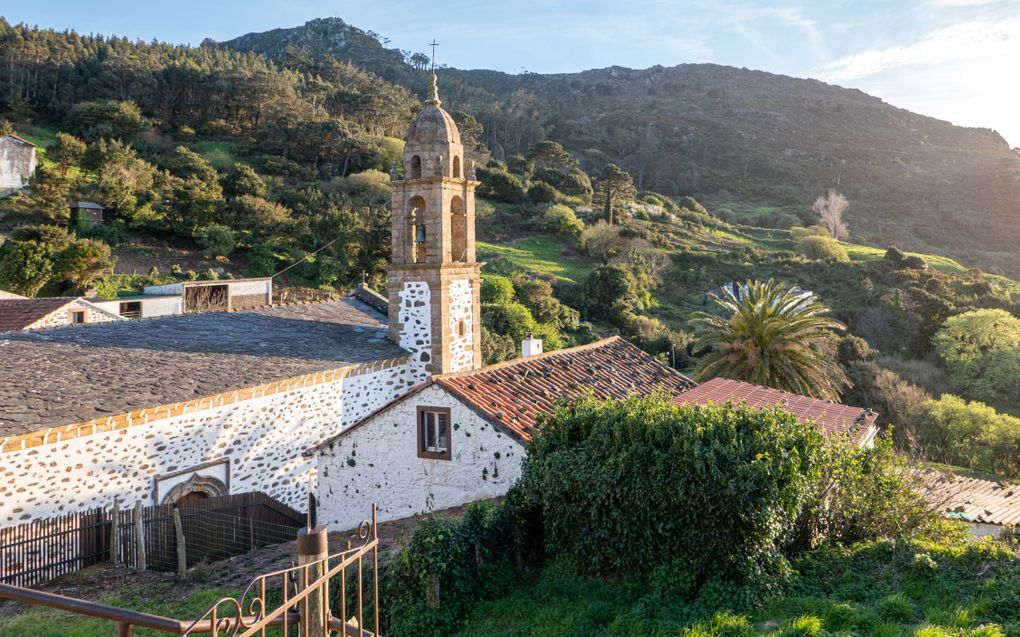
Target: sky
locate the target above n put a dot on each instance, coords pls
(957, 60)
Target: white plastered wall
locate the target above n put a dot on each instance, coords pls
(377, 462)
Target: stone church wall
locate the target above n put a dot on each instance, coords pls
(415, 317)
(377, 462)
(261, 431)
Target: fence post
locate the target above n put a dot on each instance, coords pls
(139, 537)
(313, 548)
(115, 532)
(182, 556)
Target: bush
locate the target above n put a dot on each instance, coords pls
(866, 494)
(445, 568)
(621, 484)
(496, 289)
(25, 266)
(611, 293)
(217, 241)
(262, 260)
(970, 435)
(541, 192)
(562, 220)
(818, 247)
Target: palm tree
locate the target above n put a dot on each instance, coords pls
(770, 335)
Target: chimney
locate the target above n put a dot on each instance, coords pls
(530, 346)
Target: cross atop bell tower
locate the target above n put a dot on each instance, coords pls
(433, 280)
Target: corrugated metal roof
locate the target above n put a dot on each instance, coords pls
(977, 500)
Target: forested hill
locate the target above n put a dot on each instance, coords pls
(731, 135)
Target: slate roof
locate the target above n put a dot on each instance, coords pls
(976, 500)
(70, 375)
(831, 418)
(17, 314)
(514, 393)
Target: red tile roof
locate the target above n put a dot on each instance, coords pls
(17, 314)
(514, 393)
(831, 418)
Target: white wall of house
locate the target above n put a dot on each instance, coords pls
(377, 462)
(262, 438)
(62, 316)
(151, 306)
(17, 163)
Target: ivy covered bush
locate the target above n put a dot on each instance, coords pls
(626, 486)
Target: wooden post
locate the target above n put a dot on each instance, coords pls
(182, 555)
(139, 537)
(115, 532)
(313, 548)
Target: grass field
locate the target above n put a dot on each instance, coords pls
(884, 589)
(219, 154)
(162, 599)
(542, 254)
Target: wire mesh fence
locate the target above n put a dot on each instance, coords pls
(212, 529)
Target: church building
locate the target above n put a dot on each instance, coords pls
(370, 399)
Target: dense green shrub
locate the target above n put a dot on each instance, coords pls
(719, 488)
(217, 240)
(611, 293)
(865, 494)
(496, 289)
(562, 220)
(818, 247)
(445, 568)
(973, 435)
(541, 192)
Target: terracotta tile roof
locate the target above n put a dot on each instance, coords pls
(17, 314)
(514, 393)
(831, 418)
(974, 499)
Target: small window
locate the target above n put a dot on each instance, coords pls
(416, 167)
(131, 309)
(434, 433)
(77, 316)
(461, 328)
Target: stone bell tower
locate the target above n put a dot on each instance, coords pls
(433, 280)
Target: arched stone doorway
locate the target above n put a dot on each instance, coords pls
(197, 487)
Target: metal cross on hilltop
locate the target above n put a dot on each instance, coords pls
(434, 45)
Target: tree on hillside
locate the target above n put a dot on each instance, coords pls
(25, 266)
(66, 151)
(981, 351)
(614, 185)
(772, 337)
(830, 207)
(83, 261)
(47, 196)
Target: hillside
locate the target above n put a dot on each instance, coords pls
(722, 133)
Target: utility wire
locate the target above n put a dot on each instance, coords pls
(305, 258)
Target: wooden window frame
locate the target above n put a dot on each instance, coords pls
(75, 310)
(420, 426)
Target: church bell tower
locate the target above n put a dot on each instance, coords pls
(433, 280)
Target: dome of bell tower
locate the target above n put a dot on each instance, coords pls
(433, 125)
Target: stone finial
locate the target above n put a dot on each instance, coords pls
(434, 93)
(470, 172)
(439, 165)
(394, 175)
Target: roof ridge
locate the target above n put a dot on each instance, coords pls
(525, 359)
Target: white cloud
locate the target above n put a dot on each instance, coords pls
(965, 73)
(983, 40)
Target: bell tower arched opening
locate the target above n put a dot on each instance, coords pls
(456, 167)
(418, 249)
(416, 167)
(458, 230)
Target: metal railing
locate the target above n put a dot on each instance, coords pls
(299, 597)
